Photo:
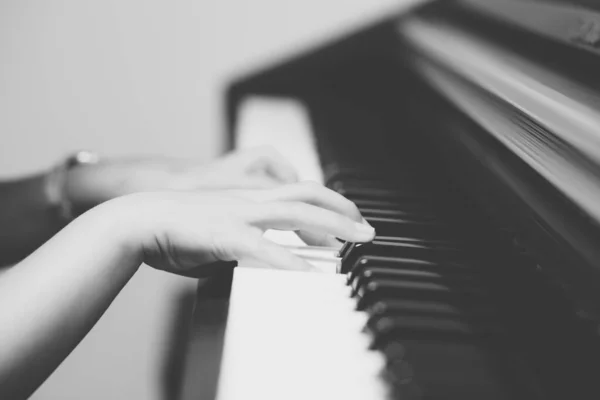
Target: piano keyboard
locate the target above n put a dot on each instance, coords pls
(285, 125)
(426, 288)
(438, 306)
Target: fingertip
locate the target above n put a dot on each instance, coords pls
(365, 232)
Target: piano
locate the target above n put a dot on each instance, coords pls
(468, 134)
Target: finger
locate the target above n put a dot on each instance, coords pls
(211, 269)
(294, 216)
(271, 162)
(255, 182)
(317, 195)
(314, 239)
(245, 243)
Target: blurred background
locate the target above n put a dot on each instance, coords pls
(138, 77)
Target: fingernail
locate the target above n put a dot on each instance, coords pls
(366, 230)
(364, 221)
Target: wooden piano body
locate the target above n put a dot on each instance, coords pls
(497, 102)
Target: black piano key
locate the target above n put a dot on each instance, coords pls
(448, 308)
(371, 274)
(386, 262)
(393, 273)
(405, 220)
(415, 307)
(435, 253)
(337, 171)
(396, 227)
(455, 243)
(368, 213)
(373, 173)
(387, 328)
(443, 370)
(405, 195)
(415, 207)
(404, 183)
(346, 249)
(376, 290)
(409, 263)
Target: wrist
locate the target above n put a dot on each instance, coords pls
(57, 180)
(114, 223)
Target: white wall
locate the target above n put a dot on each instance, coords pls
(136, 76)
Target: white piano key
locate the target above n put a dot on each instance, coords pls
(328, 253)
(324, 259)
(284, 238)
(296, 335)
(284, 124)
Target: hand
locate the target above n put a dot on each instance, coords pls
(54, 297)
(90, 185)
(186, 232)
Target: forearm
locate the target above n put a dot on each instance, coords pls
(52, 299)
(26, 218)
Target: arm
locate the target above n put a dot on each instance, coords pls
(26, 218)
(52, 299)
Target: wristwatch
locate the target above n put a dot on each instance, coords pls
(55, 184)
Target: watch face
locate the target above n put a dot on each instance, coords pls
(82, 157)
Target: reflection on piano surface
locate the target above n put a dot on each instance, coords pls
(467, 132)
